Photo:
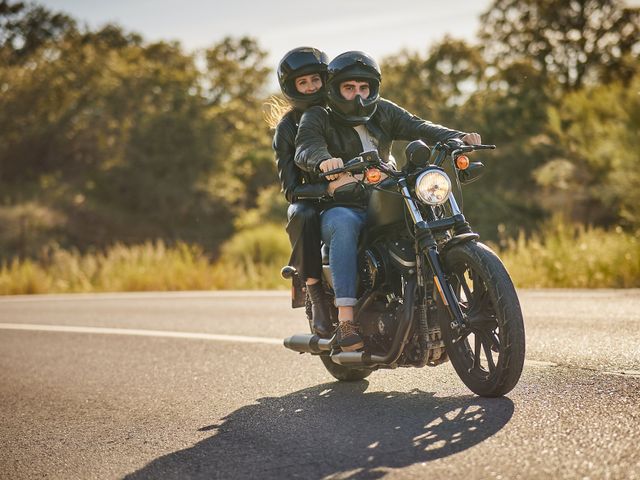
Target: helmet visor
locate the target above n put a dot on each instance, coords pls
(307, 60)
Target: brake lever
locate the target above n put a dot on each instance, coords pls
(471, 148)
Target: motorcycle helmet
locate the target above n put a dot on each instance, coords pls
(359, 66)
(297, 62)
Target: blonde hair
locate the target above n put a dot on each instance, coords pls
(274, 109)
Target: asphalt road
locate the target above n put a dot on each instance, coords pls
(178, 386)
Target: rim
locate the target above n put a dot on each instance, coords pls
(479, 345)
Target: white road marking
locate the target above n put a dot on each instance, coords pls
(142, 333)
(540, 363)
(145, 295)
(625, 373)
(170, 334)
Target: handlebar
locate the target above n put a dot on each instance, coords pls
(456, 145)
(371, 158)
(360, 163)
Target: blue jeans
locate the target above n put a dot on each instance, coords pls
(341, 227)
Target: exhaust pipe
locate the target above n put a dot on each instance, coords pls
(308, 343)
(364, 359)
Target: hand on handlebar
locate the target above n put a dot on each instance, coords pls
(331, 164)
(472, 139)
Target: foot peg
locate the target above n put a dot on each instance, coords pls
(288, 272)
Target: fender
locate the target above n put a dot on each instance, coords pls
(458, 240)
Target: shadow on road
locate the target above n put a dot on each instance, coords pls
(335, 429)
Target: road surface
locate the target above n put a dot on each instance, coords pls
(197, 385)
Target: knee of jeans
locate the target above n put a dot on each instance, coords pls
(350, 225)
(343, 224)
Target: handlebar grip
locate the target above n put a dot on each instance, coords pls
(331, 172)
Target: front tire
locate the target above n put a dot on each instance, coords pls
(488, 356)
(339, 372)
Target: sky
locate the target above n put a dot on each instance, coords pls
(379, 27)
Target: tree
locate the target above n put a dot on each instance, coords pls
(595, 178)
(117, 139)
(571, 42)
(435, 86)
(24, 29)
(235, 87)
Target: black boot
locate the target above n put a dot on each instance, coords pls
(319, 310)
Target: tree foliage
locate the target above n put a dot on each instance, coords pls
(571, 42)
(107, 138)
(595, 177)
(122, 140)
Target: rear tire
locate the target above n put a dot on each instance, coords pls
(339, 372)
(489, 356)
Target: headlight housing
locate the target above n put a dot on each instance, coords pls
(433, 187)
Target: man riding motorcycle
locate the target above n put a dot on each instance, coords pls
(356, 119)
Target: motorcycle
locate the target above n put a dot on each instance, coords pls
(429, 291)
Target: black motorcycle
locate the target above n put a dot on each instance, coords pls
(429, 291)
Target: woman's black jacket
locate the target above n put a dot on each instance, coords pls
(321, 136)
(295, 183)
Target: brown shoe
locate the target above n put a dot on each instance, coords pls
(348, 338)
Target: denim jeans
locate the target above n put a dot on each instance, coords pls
(341, 227)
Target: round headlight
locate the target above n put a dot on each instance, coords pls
(433, 187)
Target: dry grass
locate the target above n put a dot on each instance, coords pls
(574, 256)
(251, 259)
(560, 256)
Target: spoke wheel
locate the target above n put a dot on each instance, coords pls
(488, 354)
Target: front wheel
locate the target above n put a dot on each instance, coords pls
(488, 355)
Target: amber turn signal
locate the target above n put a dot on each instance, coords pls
(373, 175)
(462, 162)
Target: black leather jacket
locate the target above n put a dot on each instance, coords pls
(296, 184)
(321, 136)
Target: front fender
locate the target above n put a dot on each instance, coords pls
(458, 240)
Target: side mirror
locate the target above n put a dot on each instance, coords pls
(417, 153)
(472, 173)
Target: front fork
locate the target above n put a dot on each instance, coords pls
(427, 244)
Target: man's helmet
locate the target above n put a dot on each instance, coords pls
(353, 66)
(297, 62)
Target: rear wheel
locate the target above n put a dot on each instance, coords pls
(489, 354)
(339, 372)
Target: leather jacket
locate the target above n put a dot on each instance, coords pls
(321, 136)
(296, 184)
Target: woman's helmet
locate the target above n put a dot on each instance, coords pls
(353, 66)
(297, 62)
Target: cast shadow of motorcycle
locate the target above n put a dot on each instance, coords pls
(335, 428)
(429, 291)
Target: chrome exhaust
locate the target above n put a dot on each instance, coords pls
(308, 343)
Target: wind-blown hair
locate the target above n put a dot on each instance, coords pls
(274, 109)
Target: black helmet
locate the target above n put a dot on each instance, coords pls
(353, 66)
(297, 62)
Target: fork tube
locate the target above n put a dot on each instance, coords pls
(414, 211)
(454, 205)
(428, 245)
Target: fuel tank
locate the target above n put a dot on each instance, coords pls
(385, 209)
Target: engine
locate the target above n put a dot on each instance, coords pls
(382, 265)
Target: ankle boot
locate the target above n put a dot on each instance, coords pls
(319, 310)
